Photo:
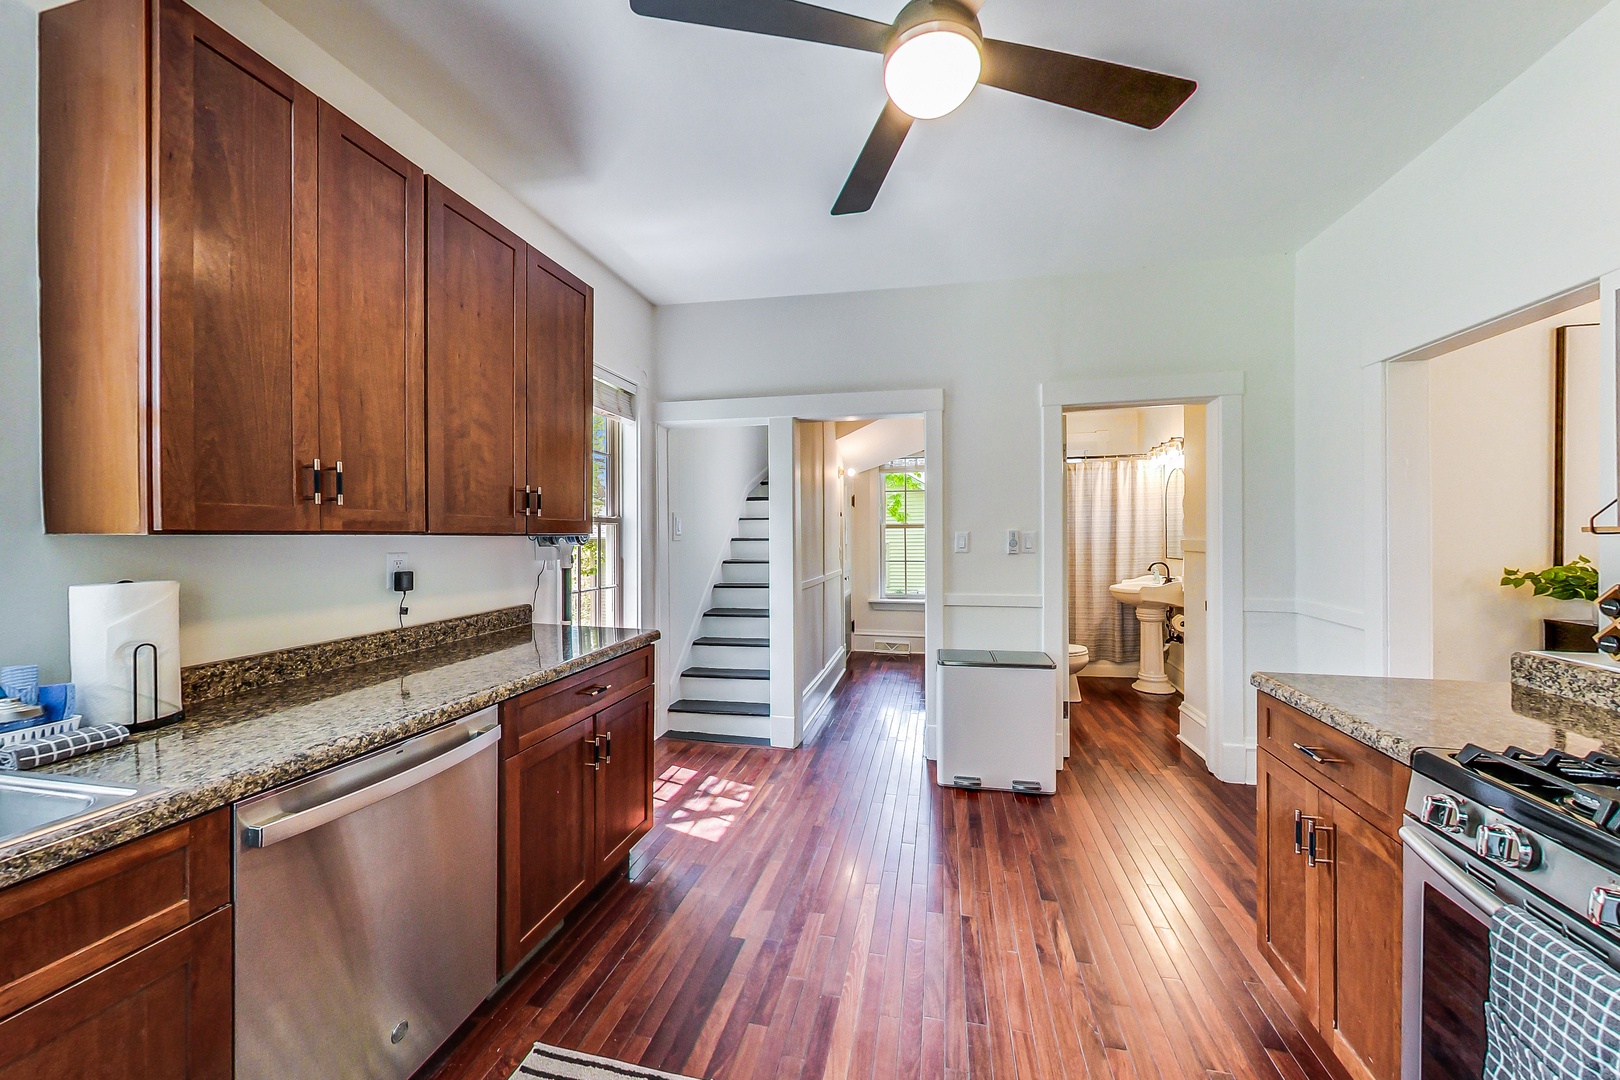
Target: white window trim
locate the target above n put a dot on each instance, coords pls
(884, 601)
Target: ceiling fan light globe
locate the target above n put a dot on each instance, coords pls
(932, 68)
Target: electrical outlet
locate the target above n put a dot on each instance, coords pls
(397, 560)
(1027, 541)
(961, 543)
(1012, 541)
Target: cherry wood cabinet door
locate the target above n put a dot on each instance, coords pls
(476, 369)
(624, 784)
(560, 308)
(371, 338)
(163, 1013)
(548, 809)
(236, 392)
(1360, 926)
(1286, 907)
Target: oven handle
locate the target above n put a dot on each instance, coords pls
(1478, 895)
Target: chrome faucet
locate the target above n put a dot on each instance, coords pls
(1166, 566)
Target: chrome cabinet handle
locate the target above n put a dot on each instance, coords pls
(315, 471)
(1316, 755)
(596, 753)
(337, 493)
(608, 759)
(1313, 855)
(598, 690)
(1299, 832)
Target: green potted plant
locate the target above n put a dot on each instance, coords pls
(1577, 581)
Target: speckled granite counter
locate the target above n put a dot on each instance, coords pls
(231, 747)
(1396, 716)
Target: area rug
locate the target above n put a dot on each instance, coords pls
(554, 1063)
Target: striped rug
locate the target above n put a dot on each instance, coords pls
(554, 1063)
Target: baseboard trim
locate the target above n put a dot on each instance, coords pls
(813, 705)
(1194, 733)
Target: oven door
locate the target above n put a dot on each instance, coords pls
(1445, 962)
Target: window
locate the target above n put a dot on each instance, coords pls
(599, 563)
(903, 515)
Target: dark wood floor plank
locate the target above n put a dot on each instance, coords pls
(831, 913)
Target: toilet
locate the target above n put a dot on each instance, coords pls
(1079, 657)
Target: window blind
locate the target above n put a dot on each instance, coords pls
(614, 400)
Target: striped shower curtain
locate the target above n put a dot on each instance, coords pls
(1115, 512)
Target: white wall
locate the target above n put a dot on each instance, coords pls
(1514, 204)
(989, 347)
(243, 595)
(1471, 492)
(712, 471)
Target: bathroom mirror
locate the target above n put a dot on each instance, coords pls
(1175, 530)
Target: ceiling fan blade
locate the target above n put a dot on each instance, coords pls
(861, 189)
(1127, 94)
(777, 18)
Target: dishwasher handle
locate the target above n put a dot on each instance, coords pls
(287, 826)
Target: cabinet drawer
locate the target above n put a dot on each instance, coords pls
(543, 712)
(63, 925)
(1372, 783)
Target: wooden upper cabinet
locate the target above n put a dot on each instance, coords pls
(236, 392)
(371, 337)
(476, 369)
(558, 453)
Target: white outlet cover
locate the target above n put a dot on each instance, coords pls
(1027, 541)
(397, 560)
(962, 542)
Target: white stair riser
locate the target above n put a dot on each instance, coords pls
(733, 626)
(702, 689)
(729, 656)
(745, 727)
(758, 573)
(731, 596)
(750, 549)
(759, 528)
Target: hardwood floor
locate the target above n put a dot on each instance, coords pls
(829, 912)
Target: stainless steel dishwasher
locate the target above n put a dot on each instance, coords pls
(365, 908)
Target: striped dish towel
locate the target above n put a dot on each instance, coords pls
(69, 744)
(1553, 1010)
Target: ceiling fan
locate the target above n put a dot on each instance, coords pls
(933, 56)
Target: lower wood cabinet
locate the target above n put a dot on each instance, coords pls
(1328, 896)
(120, 965)
(576, 794)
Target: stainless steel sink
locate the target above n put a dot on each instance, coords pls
(31, 804)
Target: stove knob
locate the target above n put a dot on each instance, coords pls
(1603, 909)
(1505, 846)
(1442, 812)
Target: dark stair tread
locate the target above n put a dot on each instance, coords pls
(759, 498)
(755, 539)
(750, 562)
(727, 673)
(735, 642)
(742, 584)
(739, 612)
(721, 708)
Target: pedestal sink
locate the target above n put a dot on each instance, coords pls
(1152, 597)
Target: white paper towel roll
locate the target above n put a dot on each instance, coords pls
(106, 626)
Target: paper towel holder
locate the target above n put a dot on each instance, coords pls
(135, 721)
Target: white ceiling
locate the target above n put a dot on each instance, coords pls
(701, 164)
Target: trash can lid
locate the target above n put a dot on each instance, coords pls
(996, 658)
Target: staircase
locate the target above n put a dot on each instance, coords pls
(727, 690)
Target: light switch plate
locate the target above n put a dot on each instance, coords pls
(1012, 541)
(1027, 541)
(961, 542)
(675, 526)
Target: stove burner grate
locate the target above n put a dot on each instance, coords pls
(1555, 777)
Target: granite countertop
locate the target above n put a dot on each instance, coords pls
(231, 747)
(1396, 716)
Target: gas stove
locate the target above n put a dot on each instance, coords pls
(1541, 827)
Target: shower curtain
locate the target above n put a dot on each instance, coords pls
(1115, 510)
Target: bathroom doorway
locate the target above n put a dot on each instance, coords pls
(1193, 449)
